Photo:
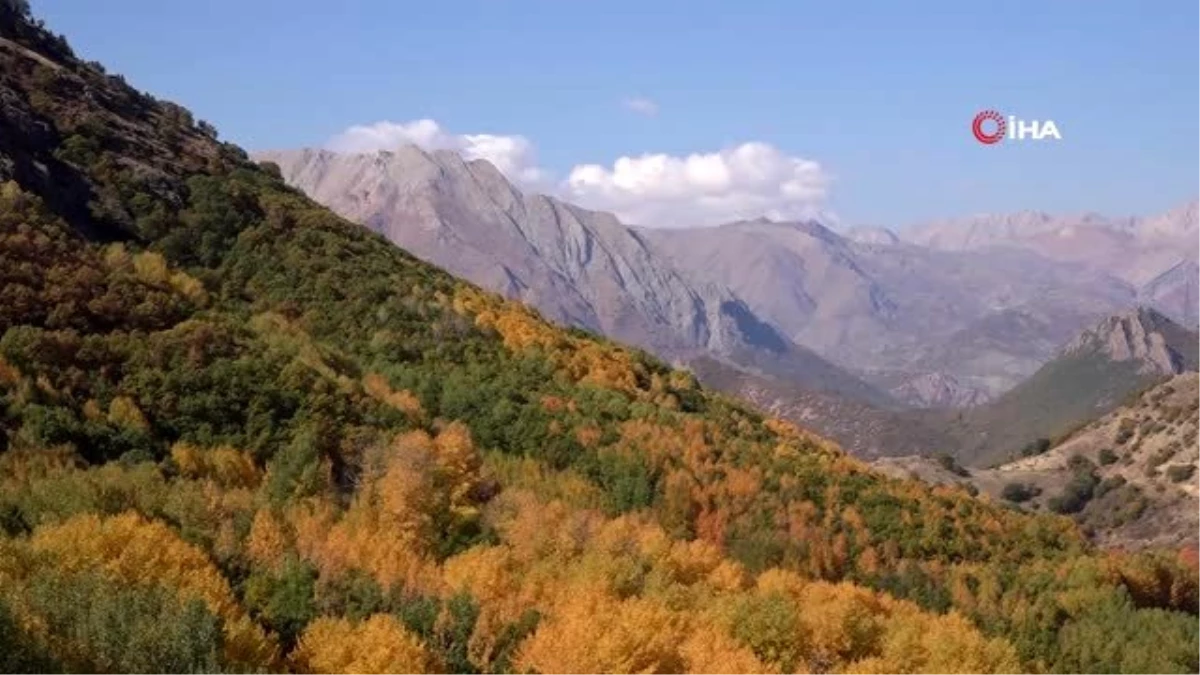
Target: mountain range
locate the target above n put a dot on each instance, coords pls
(947, 314)
(577, 267)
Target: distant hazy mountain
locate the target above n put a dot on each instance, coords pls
(872, 235)
(578, 267)
(940, 390)
(1091, 375)
(906, 316)
(1156, 255)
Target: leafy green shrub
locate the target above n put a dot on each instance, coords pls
(1018, 492)
(1180, 472)
(1109, 484)
(949, 463)
(272, 169)
(1125, 431)
(1079, 464)
(127, 629)
(21, 652)
(1107, 457)
(283, 599)
(1077, 493)
(1035, 447)
(79, 150)
(1159, 458)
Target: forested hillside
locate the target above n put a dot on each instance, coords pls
(240, 433)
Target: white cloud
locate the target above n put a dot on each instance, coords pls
(746, 181)
(514, 156)
(658, 190)
(641, 106)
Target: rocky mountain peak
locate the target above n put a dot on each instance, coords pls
(1138, 334)
(1180, 221)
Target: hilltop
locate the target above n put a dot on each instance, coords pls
(242, 433)
(1142, 460)
(1129, 478)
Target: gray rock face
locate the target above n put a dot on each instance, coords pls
(939, 390)
(1141, 335)
(578, 267)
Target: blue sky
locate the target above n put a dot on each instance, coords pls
(881, 94)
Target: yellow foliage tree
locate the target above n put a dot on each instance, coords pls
(133, 550)
(591, 632)
(267, 543)
(225, 465)
(406, 491)
(459, 466)
(152, 268)
(581, 360)
(405, 401)
(377, 645)
(124, 412)
(708, 649)
(918, 642)
(389, 527)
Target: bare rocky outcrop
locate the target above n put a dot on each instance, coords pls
(1140, 335)
(940, 390)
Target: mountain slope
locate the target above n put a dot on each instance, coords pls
(579, 267)
(866, 431)
(1091, 375)
(242, 433)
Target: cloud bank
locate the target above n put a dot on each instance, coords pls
(745, 181)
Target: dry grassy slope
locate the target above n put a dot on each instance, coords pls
(1154, 440)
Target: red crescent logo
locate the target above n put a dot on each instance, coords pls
(984, 137)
